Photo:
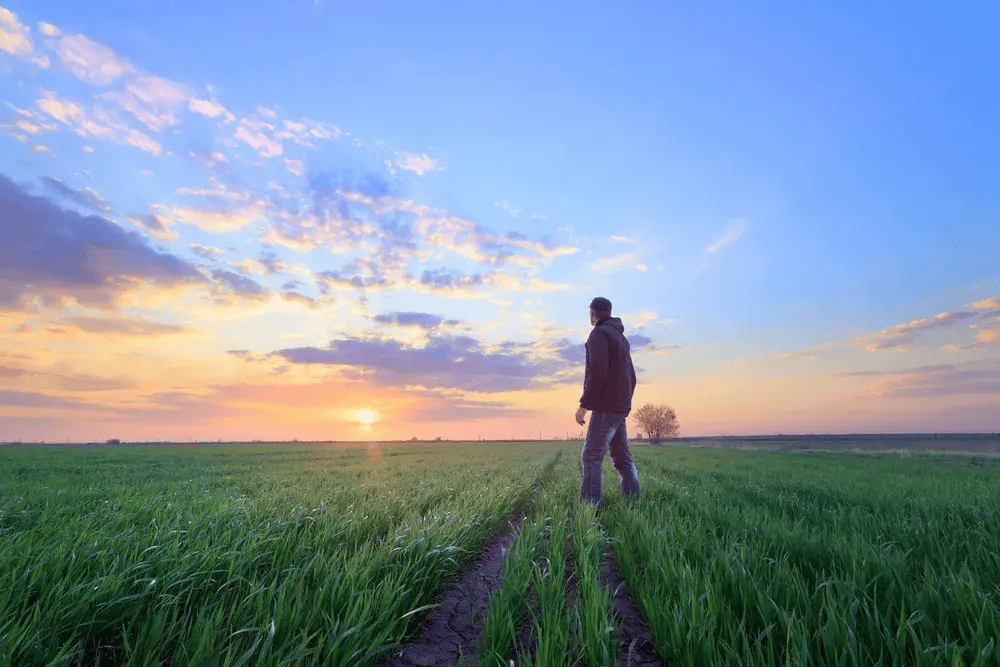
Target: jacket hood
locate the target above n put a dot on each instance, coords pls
(614, 322)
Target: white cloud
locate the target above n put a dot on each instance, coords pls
(733, 231)
(96, 123)
(249, 133)
(48, 29)
(268, 113)
(208, 108)
(219, 191)
(618, 238)
(28, 127)
(420, 164)
(297, 167)
(64, 112)
(637, 320)
(304, 132)
(142, 141)
(217, 222)
(90, 61)
(153, 100)
(251, 265)
(14, 35)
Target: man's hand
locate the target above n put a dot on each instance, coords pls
(580, 414)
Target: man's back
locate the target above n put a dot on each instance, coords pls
(609, 380)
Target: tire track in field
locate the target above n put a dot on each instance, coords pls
(454, 629)
(635, 646)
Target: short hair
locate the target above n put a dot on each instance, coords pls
(600, 313)
(601, 304)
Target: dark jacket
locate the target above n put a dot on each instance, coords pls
(609, 379)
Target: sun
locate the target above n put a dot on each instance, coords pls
(364, 416)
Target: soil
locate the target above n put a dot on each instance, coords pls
(635, 646)
(455, 627)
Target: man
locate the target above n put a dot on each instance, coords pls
(608, 385)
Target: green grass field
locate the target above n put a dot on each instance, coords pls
(313, 554)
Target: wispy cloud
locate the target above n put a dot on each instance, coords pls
(631, 260)
(236, 284)
(638, 320)
(899, 336)
(267, 264)
(87, 197)
(296, 167)
(91, 61)
(418, 163)
(510, 209)
(123, 326)
(984, 338)
(155, 102)
(98, 122)
(933, 381)
(734, 230)
(812, 353)
(414, 319)
(206, 252)
(259, 136)
(645, 345)
(156, 224)
(220, 220)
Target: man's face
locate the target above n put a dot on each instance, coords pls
(593, 319)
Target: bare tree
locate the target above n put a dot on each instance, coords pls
(658, 421)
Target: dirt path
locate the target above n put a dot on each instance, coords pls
(455, 627)
(635, 646)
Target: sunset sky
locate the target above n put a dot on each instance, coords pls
(250, 220)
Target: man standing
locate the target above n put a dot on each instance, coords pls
(608, 385)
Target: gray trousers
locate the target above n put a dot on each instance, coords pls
(606, 429)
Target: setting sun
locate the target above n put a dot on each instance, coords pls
(364, 416)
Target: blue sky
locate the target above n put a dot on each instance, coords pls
(791, 208)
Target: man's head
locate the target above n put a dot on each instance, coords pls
(599, 308)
